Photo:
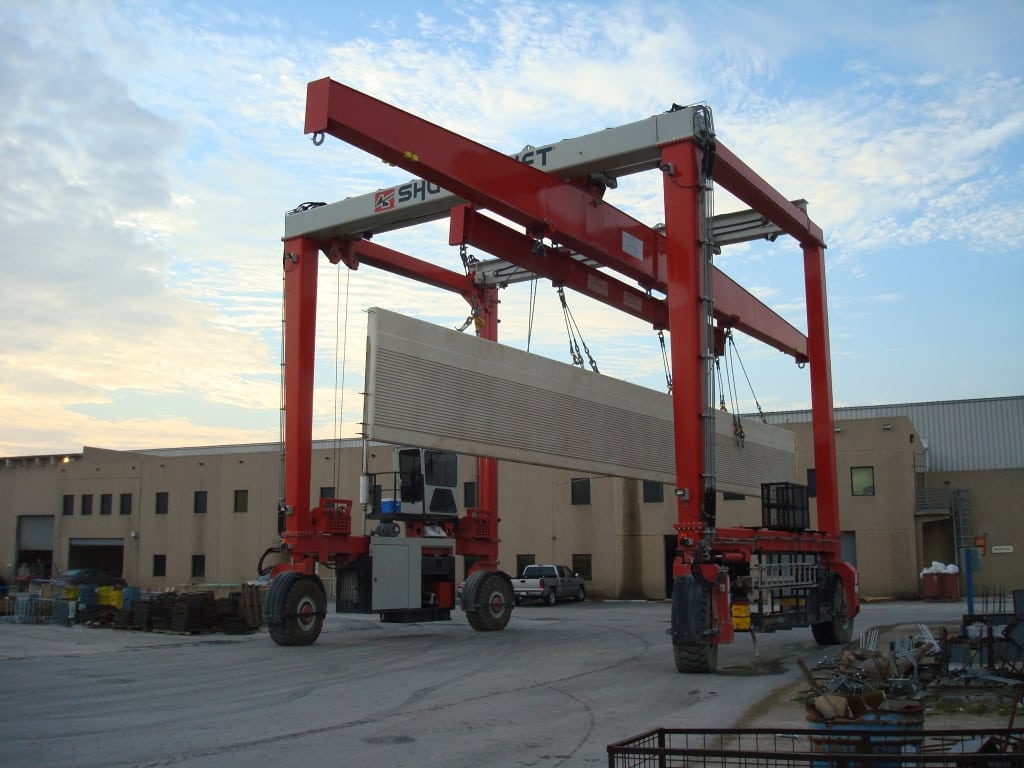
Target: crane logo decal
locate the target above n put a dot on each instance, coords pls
(383, 200)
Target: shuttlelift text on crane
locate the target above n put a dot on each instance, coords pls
(419, 190)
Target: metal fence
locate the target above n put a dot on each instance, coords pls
(819, 748)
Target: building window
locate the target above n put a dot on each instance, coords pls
(522, 561)
(126, 503)
(730, 496)
(106, 503)
(812, 483)
(199, 504)
(581, 490)
(162, 499)
(862, 481)
(581, 565)
(198, 566)
(242, 500)
(86, 503)
(69, 505)
(159, 565)
(469, 499)
(327, 492)
(654, 492)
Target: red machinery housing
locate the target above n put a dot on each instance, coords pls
(789, 575)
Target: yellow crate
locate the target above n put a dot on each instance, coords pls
(741, 617)
(109, 596)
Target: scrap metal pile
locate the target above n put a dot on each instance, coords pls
(976, 669)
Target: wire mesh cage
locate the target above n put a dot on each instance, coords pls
(819, 748)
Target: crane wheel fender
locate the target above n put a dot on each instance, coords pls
(260, 568)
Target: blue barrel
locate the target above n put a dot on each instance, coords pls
(897, 730)
(87, 596)
(128, 596)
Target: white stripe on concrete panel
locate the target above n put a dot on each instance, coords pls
(429, 386)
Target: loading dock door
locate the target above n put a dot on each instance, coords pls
(105, 554)
(35, 547)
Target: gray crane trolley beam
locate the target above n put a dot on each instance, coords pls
(728, 229)
(603, 155)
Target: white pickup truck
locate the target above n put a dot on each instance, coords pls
(548, 583)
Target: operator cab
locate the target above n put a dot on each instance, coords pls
(422, 487)
(427, 481)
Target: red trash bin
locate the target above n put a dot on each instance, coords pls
(931, 587)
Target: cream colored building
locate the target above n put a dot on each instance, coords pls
(169, 517)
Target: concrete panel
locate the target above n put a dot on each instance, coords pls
(437, 388)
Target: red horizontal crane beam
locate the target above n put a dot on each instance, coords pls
(540, 202)
(733, 306)
(473, 228)
(549, 207)
(742, 181)
(356, 252)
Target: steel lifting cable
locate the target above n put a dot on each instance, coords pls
(288, 263)
(732, 344)
(665, 360)
(730, 384)
(533, 311)
(339, 408)
(573, 331)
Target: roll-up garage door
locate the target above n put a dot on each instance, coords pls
(35, 532)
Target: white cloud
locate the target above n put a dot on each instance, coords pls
(149, 158)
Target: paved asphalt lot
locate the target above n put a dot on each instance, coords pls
(553, 689)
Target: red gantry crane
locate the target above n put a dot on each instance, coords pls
(780, 575)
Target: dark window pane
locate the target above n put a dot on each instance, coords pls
(812, 483)
(69, 505)
(199, 505)
(126, 503)
(162, 502)
(86, 503)
(654, 492)
(327, 492)
(159, 565)
(241, 500)
(106, 503)
(198, 566)
(469, 499)
(581, 490)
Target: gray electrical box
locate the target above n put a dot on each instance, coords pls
(397, 571)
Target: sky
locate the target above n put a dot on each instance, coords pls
(150, 150)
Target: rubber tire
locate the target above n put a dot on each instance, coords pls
(493, 604)
(700, 657)
(550, 598)
(839, 630)
(581, 594)
(302, 607)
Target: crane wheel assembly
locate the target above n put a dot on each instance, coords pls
(295, 608)
(488, 599)
(693, 625)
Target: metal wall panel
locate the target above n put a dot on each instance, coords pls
(436, 388)
(961, 435)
